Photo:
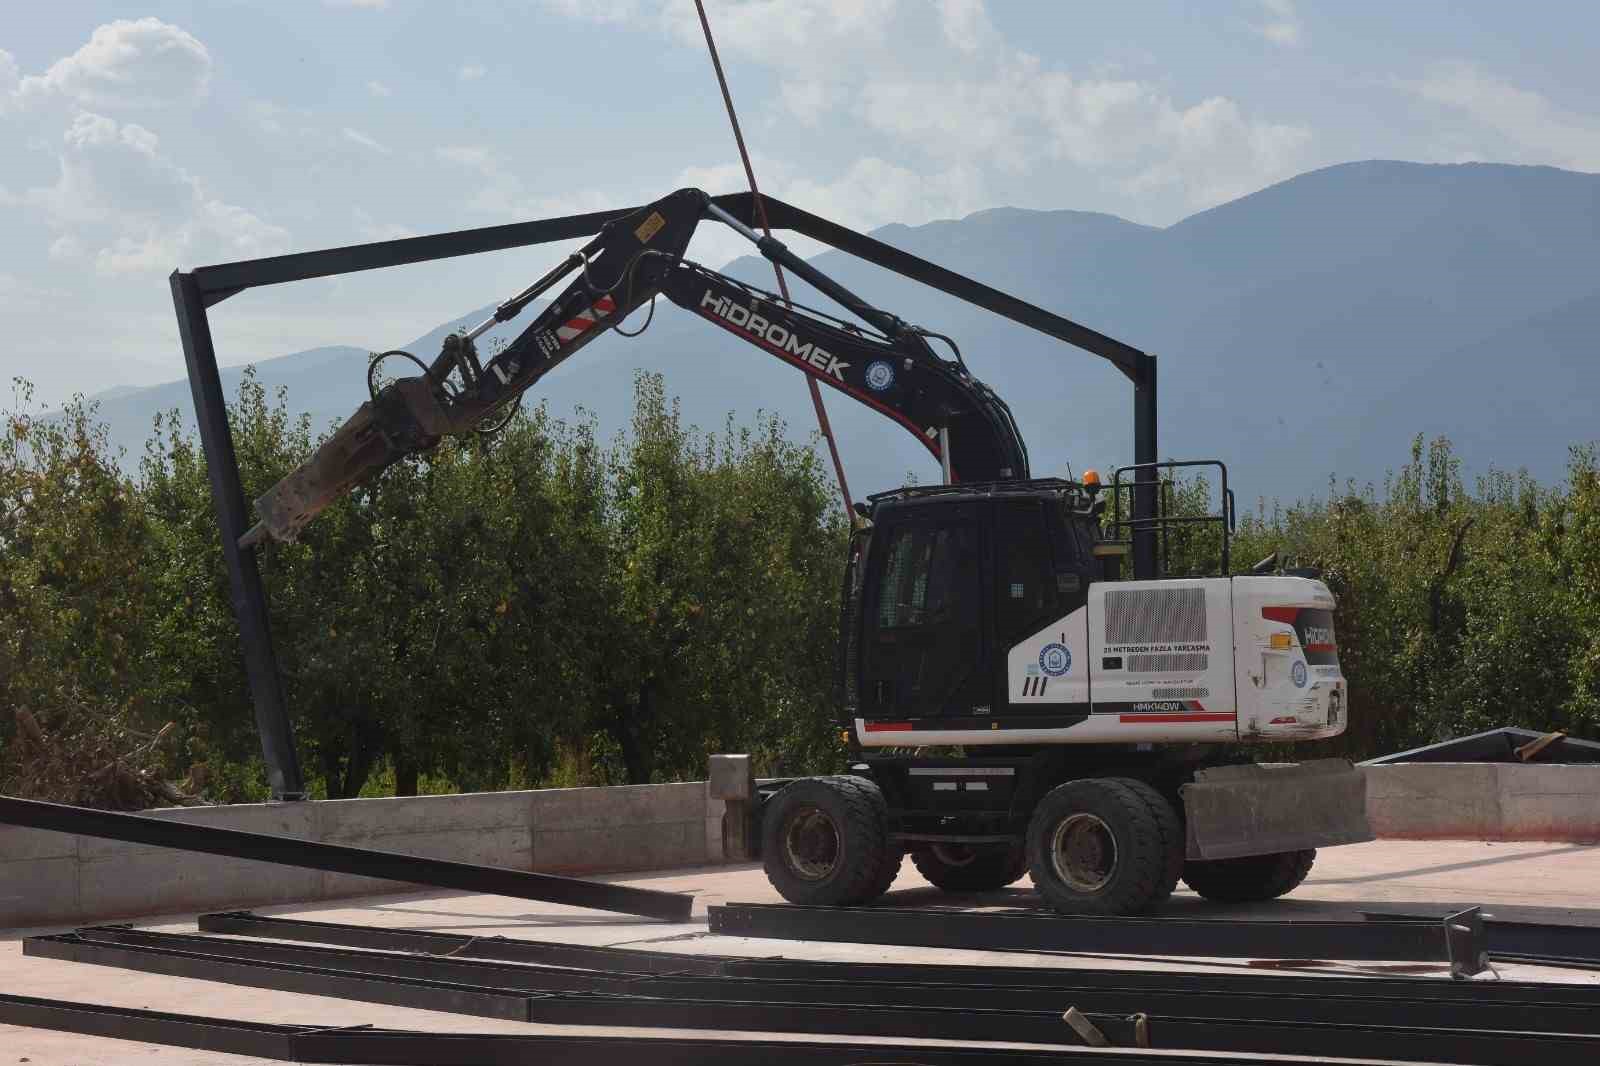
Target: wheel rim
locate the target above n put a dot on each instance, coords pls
(1084, 852)
(811, 843)
(955, 855)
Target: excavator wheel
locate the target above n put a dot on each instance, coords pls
(966, 868)
(1104, 846)
(1250, 879)
(825, 841)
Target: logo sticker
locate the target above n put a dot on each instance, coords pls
(1055, 659)
(880, 375)
(1297, 673)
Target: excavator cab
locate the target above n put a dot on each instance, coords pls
(945, 581)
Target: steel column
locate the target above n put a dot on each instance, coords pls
(248, 595)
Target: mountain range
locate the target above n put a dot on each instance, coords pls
(1305, 331)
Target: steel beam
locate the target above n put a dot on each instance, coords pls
(1419, 941)
(341, 858)
(640, 961)
(1526, 940)
(1477, 1046)
(399, 1047)
(1344, 1002)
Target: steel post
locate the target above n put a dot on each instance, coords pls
(249, 596)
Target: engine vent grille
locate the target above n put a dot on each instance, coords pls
(1156, 616)
(1181, 662)
(1179, 693)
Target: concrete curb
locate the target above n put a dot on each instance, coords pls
(1485, 801)
(48, 877)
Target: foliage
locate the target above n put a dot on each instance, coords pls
(541, 609)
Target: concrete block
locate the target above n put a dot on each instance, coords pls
(1550, 802)
(17, 844)
(153, 881)
(352, 820)
(508, 846)
(622, 847)
(732, 777)
(619, 805)
(39, 891)
(273, 819)
(1434, 800)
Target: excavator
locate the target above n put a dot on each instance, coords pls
(1012, 703)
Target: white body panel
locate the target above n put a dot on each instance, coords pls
(1163, 657)
(1287, 689)
(1180, 660)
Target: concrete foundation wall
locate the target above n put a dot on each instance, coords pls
(1484, 801)
(49, 878)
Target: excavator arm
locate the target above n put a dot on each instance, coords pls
(888, 365)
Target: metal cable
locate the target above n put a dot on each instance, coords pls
(761, 217)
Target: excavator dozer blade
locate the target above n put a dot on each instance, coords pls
(1265, 808)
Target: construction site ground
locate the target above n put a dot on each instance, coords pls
(1528, 881)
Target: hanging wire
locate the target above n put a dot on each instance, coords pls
(761, 217)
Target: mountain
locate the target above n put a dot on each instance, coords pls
(1307, 330)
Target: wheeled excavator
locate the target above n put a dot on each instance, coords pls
(1012, 703)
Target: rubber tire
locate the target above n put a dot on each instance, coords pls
(989, 868)
(893, 853)
(863, 841)
(1251, 879)
(1144, 827)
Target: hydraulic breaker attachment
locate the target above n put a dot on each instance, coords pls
(1261, 809)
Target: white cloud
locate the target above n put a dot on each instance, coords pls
(1280, 24)
(472, 71)
(142, 64)
(603, 11)
(371, 229)
(378, 88)
(1529, 127)
(357, 137)
(370, 5)
(955, 99)
(119, 202)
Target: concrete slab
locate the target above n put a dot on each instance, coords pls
(1531, 880)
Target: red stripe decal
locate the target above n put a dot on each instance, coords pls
(889, 727)
(1281, 614)
(606, 304)
(580, 324)
(1133, 719)
(1322, 647)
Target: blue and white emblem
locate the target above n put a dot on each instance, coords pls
(1297, 673)
(880, 375)
(1055, 659)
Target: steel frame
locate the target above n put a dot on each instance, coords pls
(194, 292)
(341, 858)
(1410, 940)
(399, 1047)
(1475, 1046)
(1346, 1002)
(1512, 940)
(642, 961)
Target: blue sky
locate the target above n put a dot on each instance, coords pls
(136, 139)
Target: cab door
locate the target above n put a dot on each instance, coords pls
(1040, 623)
(926, 650)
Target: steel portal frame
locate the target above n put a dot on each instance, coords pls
(195, 292)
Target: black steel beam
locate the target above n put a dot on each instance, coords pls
(341, 858)
(1575, 943)
(398, 1047)
(504, 949)
(249, 597)
(1420, 941)
(390, 990)
(1345, 1002)
(1477, 1046)
(641, 961)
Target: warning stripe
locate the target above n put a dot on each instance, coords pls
(889, 727)
(1208, 716)
(583, 321)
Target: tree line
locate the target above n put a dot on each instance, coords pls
(544, 608)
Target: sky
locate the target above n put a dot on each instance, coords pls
(136, 139)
